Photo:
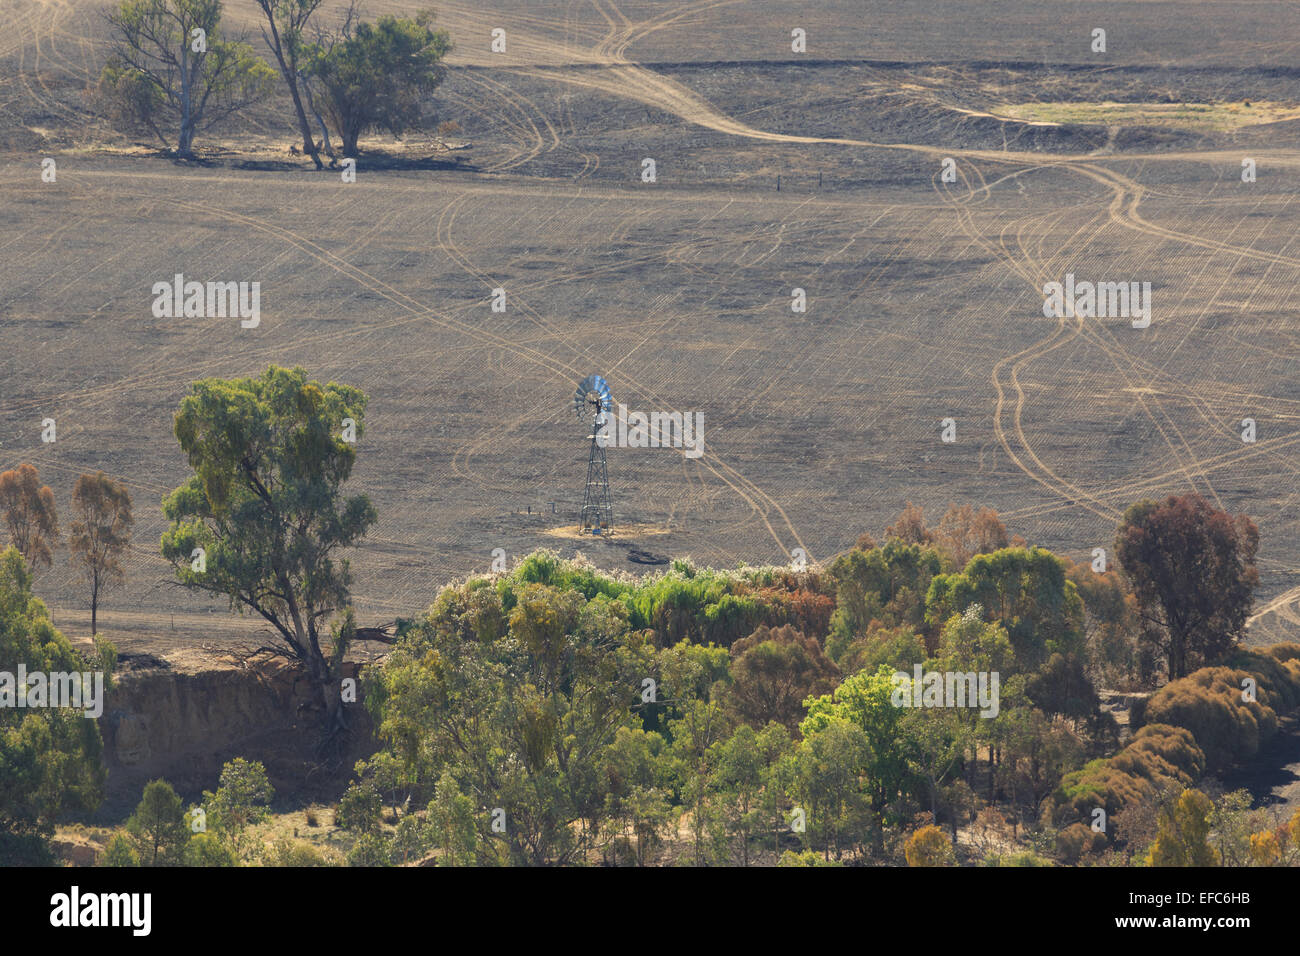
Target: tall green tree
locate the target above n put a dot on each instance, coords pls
(740, 765)
(865, 702)
(49, 757)
(158, 826)
(264, 516)
(829, 784)
(378, 75)
(1192, 568)
(521, 723)
(703, 724)
(243, 792)
(1024, 589)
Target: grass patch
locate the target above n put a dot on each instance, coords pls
(1216, 117)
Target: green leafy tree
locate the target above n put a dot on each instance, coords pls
(865, 701)
(1192, 569)
(372, 849)
(361, 808)
(411, 839)
(243, 792)
(158, 826)
(776, 745)
(938, 739)
(886, 583)
(266, 506)
(828, 783)
(378, 76)
(1023, 589)
(739, 780)
(172, 69)
(1233, 825)
(523, 722)
(49, 756)
(703, 724)
(119, 852)
(637, 796)
(451, 821)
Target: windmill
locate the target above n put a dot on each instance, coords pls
(593, 399)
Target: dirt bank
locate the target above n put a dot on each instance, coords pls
(182, 722)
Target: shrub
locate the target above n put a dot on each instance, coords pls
(1158, 756)
(1078, 839)
(1209, 703)
(929, 846)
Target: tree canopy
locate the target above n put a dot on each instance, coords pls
(1192, 570)
(378, 75)
(264, 517)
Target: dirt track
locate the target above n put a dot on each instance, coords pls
(925, 295)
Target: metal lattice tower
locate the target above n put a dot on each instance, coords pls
(592, 397)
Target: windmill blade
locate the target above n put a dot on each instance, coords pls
(592, 390)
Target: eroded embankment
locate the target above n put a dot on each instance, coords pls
(183, 724)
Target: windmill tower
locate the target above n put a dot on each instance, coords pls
(593, 399)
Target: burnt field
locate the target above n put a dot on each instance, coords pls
(924, 297)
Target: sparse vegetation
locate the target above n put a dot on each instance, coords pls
(173, 72)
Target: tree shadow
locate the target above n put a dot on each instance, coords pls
(380, 160)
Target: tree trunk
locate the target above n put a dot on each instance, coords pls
(290, 73)
(350, 138)
(186, 137)
(308, 144)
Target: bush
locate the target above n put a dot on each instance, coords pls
(360, 808)
(289, 853)
(119, 852)
(1078, 839)
(929, 846)
(1209, 703)
(371, 850)
(1158, 756)
(206, 849)
(806, 858)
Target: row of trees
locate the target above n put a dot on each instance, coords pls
(1180, 827)
(542, 692)
(523, 699)
(212, 832)
(267, 505)
(50, 763)
(175, 71)
(1184, 589)
(97, 539)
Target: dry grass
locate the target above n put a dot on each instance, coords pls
(1217, 117)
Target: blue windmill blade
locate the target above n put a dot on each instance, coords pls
(593, 390)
